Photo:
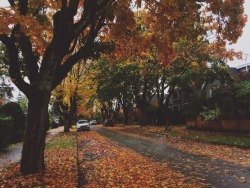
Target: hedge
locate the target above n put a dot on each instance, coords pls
(6, 129)
(14, 111)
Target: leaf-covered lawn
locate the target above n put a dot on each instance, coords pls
(103, 164)
(174, 138)
(61, 166)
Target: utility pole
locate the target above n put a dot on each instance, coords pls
(246, 56)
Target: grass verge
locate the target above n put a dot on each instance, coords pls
(219, 139)
(222, 138)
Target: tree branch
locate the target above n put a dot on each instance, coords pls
(14, 65)
(65, 68)
(30, 60)
(23, 6)
(64, 4)
(12, 3)
(72, 8)
(89, 17)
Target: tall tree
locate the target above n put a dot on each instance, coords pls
(51, 36)
(115, 85)
(66, 95)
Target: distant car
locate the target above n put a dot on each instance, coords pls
(55, 123)
(82, 125)
(93, 122)
(108, 123)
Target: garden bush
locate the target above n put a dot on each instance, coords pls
(5, 131)
(14, 111)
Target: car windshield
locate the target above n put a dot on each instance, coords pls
(83, 121)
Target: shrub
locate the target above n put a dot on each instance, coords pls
(14, 111)
(210, 114)
(5, 131)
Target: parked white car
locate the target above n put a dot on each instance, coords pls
(82, 125)
(93, 122)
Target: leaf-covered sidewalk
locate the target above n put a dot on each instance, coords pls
(103, 164)
(60, 162)
(236, 155)
(214, 172)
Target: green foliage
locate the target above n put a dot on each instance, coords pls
(195, 106)
(51, 120)
(6, 129)
(219, 70)
(210, 114)
(97, 116)
(224, 140)
(115, 83)
(14, 111)
(23, 102)
(243, 91)
(223, 97)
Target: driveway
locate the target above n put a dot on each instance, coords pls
(13, 153)
(217, 173)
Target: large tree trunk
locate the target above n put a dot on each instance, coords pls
(161, 115)
(125, 113)
(68, 121)
(32, 160)
(143, 116)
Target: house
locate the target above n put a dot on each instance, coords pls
(181, 95)
(8, 91)
(243, 68)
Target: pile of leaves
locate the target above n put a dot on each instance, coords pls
(104, 164)
(61, 166)
(236, 155)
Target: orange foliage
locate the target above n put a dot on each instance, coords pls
(113, 166)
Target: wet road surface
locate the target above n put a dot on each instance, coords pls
(215, 172)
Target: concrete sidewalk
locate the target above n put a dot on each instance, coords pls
(13, 153)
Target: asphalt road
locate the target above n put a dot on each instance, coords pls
(214, 172)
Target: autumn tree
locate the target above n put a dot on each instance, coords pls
(205, 26)
(66, 95)
(51, 37)
(86, 92)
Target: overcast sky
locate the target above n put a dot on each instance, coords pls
(243, 43)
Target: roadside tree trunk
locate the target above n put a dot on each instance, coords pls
(67, 122)
(32, 160)
(126, 114)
